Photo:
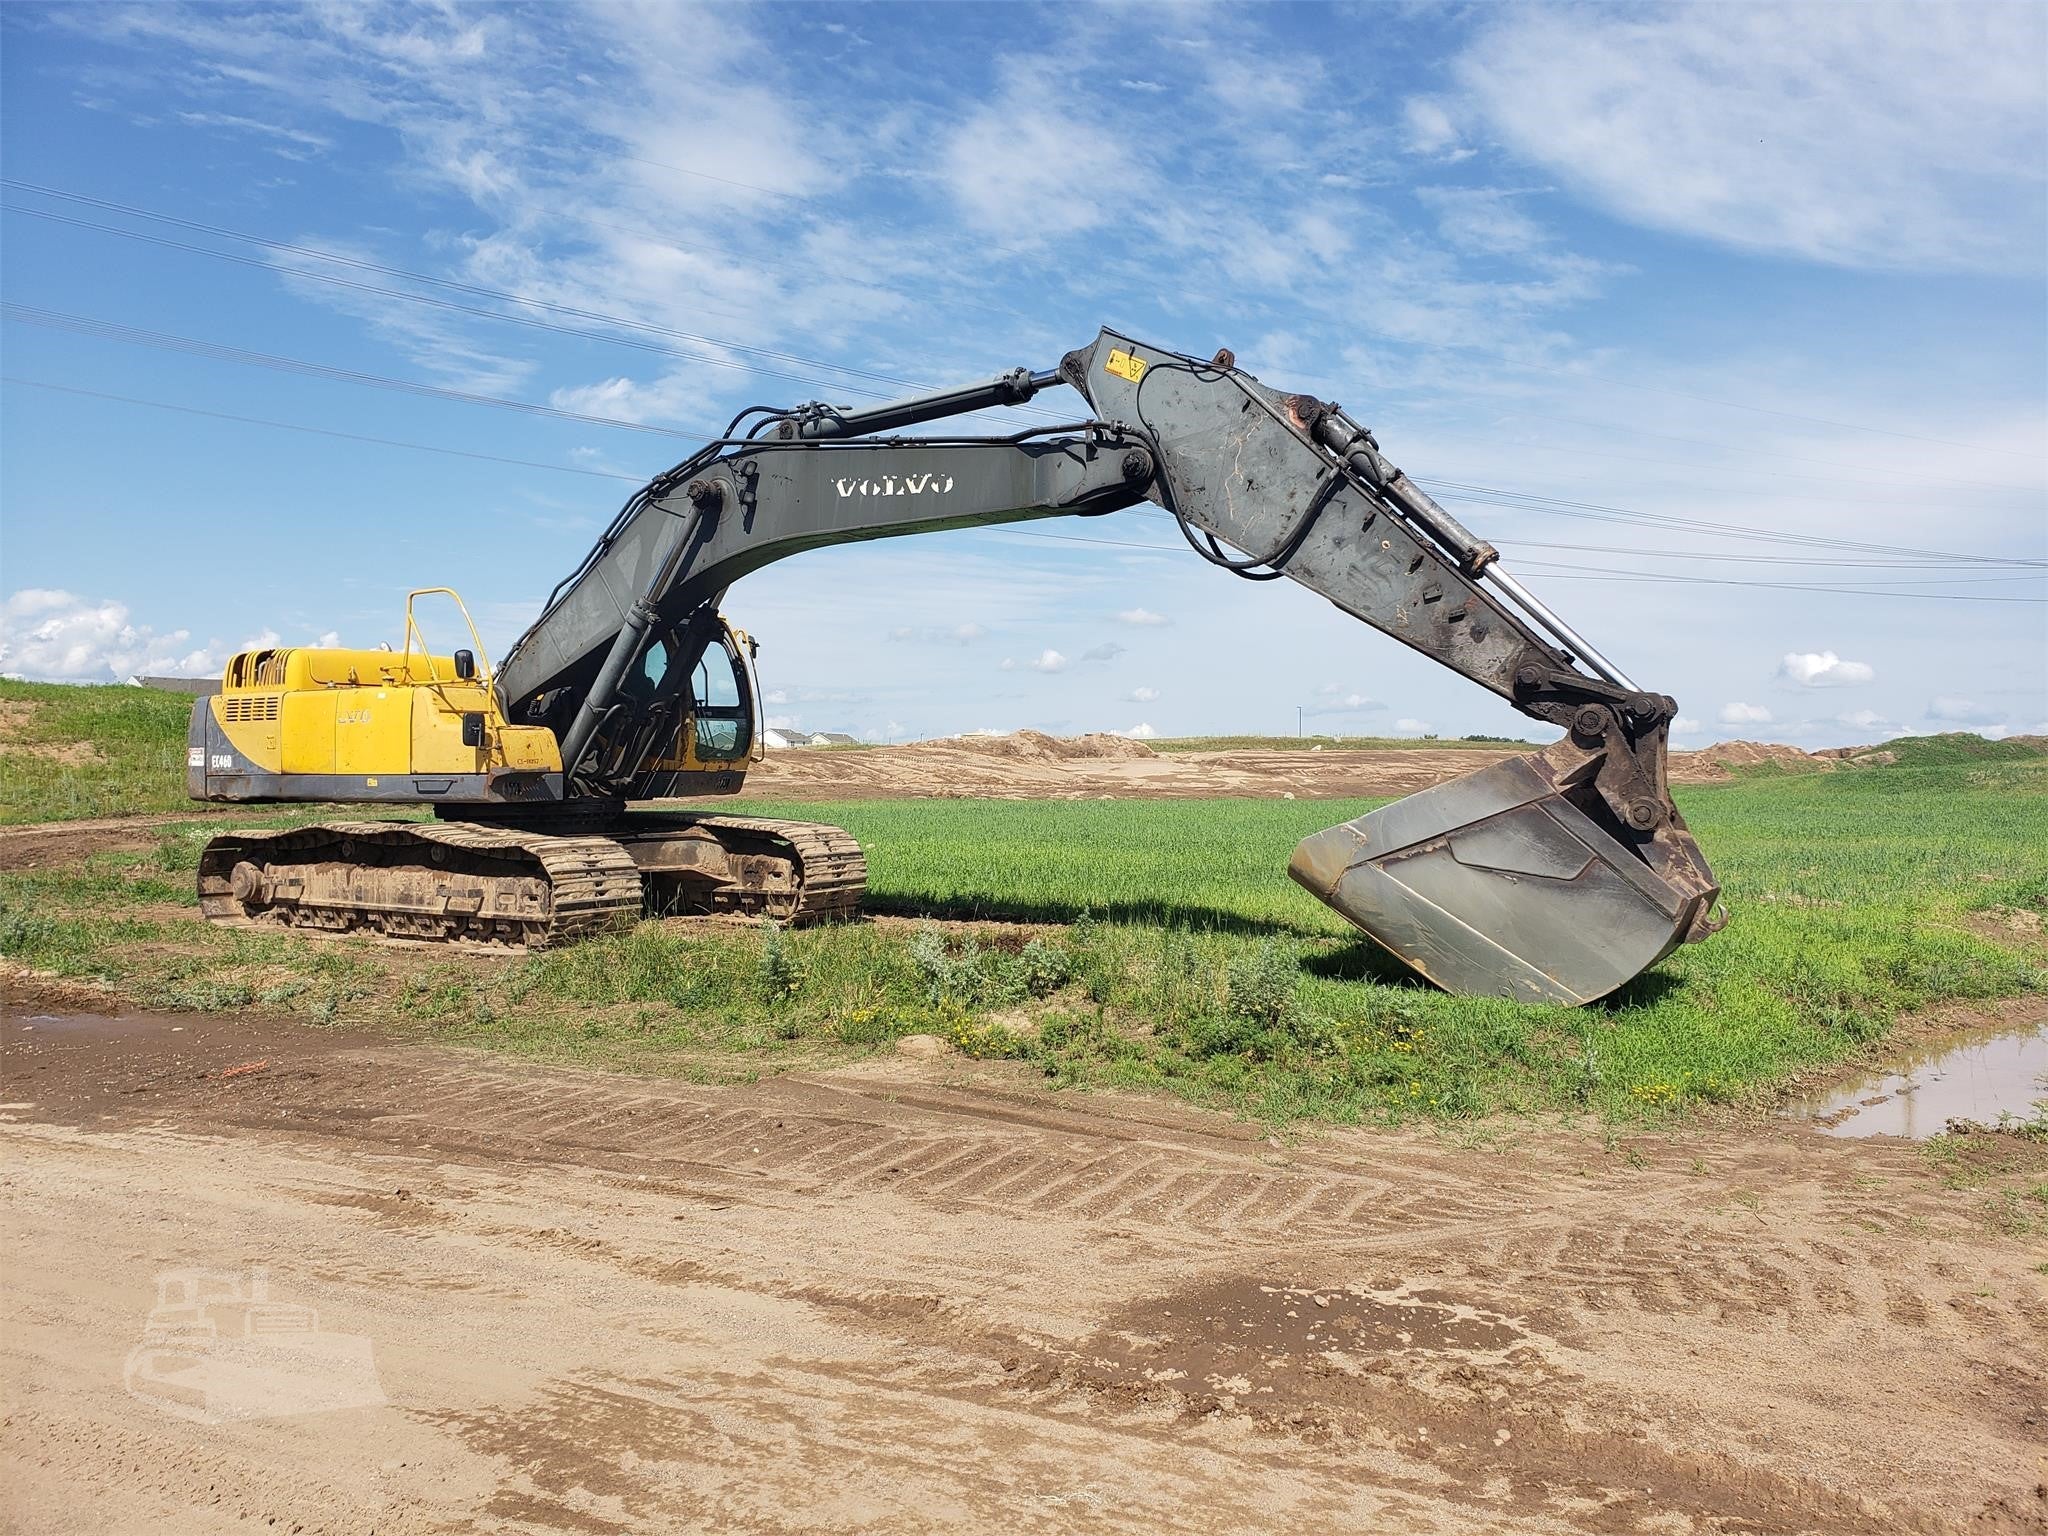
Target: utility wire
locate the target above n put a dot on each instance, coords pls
(1597, 512)
(1569, 573)
(478, 290)
(1772, 453)
(433, 303)
(1694, 554)
(293, 426)
(1520, 500)
(1859, 581)
(1574, 573)
(143, 213)
(107, 330)
(1760, 410)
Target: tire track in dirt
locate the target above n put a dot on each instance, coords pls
(624, 1304)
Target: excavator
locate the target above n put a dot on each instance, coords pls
(1556, 876)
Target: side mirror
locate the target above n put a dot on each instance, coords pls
(472, 730)
(465, 665)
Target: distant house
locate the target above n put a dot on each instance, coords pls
(198, 686)
(776, 739)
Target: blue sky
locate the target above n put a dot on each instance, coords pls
(1611, 280)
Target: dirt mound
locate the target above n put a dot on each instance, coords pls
(1715, 764)
(1037, 747)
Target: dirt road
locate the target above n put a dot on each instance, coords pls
(934, 1296)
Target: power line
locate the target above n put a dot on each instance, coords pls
(144, 213)
(725, 181)
(1694, 554)
(1760, 410)
(1773, 453)
(1528, 501)
(487, 314)
(1573, 573)
(1597, 512)
(1763, 472)
(1576, 573)
(1863, 581)
(434, 303)
(480, 291)
(293, 426)
(1568, 573)
(107, 330)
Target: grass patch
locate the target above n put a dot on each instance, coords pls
(1139, 943)
(69, 752)
(1160, 945)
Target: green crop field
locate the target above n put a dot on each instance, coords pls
(1154, 944)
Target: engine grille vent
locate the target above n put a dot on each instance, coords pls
(244, 708)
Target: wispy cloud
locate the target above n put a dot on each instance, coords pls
(1873, 135)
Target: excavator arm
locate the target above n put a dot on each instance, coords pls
(1555, 876)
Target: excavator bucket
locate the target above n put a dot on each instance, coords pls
(1515, 882)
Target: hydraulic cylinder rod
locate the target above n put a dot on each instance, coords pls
(1012, 388)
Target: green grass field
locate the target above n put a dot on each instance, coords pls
(1156, 944)
(135, 760)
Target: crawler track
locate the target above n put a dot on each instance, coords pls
(474, 883)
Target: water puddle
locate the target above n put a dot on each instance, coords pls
(1973, 1077)
(92, 1025)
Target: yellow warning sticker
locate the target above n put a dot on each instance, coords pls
(1125, 366)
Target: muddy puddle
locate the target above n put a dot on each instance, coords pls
(1979, 1077)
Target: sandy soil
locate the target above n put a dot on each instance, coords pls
(1031, 766)
(926, 1296)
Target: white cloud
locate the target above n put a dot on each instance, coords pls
(1408, 727)
(669, 400)
(1824, 669)
(293, 136)
(1141, 617)
(1685, 726)
(1482, 220)
(1745, 714)
(1139, 732)
(1023, 167)
(1959, 711)
(1143, 695)
(62, 637)
(1862, 720)
(1048, 660)
(1871, 135)
(1109, 650)
(1336, 703)
(1428, 129)
(959, 634)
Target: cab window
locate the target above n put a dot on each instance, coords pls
(724, 720)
